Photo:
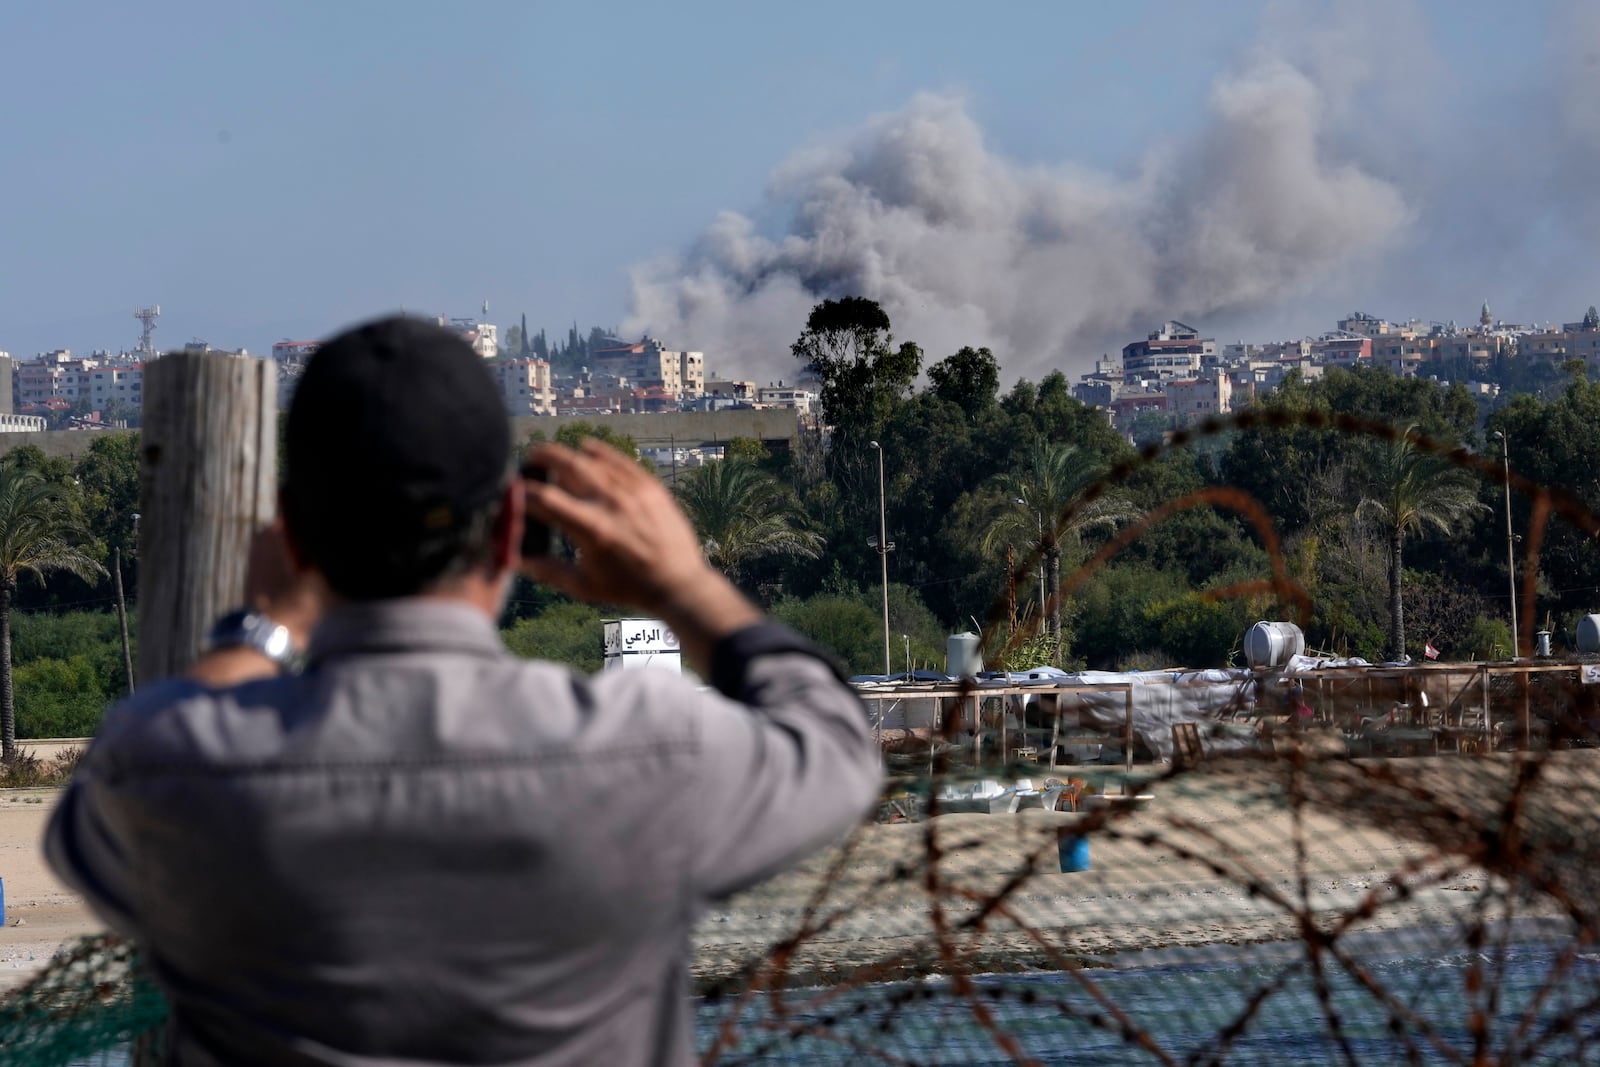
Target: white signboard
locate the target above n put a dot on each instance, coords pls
(634, 636)
(1590, 672)
(670, 661)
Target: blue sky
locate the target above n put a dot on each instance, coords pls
(266, 171)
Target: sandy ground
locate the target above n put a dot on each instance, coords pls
(1215, 858)
(41, 913)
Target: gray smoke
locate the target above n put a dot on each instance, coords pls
(1046, 265)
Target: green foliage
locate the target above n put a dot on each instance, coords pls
(1409, 491)
(567, 633)
(847, 626)
(1036, 649)
(572, 434)
(748, 449)
(68, 669)
(58, 697)
(969, 379)
(742, 514)
(1486, 640)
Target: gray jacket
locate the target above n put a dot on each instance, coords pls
(424, 850)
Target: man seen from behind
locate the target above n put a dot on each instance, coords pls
(418, 848)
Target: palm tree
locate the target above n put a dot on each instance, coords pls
(743, 514)
(1034, 501)
(1407, 491)
(39, 532)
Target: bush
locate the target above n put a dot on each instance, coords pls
(567, 633)
(845, 625)
(58, 698)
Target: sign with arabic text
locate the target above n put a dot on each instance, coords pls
(638, 636)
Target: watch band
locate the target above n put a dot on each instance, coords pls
(246, 628)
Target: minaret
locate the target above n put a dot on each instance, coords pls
(1485, 319)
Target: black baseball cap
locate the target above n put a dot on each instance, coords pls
(396, 437)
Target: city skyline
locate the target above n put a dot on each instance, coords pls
(1050, 183)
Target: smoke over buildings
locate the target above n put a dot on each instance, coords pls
(1345, 163)
(1044, 264)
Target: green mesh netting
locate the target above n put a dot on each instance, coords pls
(89, 1007)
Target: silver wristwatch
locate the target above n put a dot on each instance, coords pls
(251, 629)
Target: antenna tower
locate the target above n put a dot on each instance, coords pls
(147, 317)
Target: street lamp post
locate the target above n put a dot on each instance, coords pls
(883, 546)
(1040, 516)
(1511, 552)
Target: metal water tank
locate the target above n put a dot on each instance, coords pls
(963, 655)
(1589, 634)
(1272, 644)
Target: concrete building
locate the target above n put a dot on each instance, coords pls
(484, 337)
(1543, 346)
(1193, 399)
(786, 396)
(287, 351)
(1173, 351)
(525, 386)
(1342, 350)
(649, 364)
(731, 389)
(1359, 322)
(1585, 345)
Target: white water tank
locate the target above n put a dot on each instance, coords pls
(1272, 644)
(1589, 634)
(963, 655)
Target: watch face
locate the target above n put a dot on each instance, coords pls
(250, 629)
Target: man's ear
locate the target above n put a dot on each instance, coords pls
(506, 538)
(291, 543)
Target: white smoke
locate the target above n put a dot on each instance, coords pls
(1046, 265)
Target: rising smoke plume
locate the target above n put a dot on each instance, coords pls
(1046, 265)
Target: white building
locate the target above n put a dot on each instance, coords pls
(525, 386)
(786, 396)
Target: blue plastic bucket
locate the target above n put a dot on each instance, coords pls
(1074, 850)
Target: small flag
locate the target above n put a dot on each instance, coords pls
(1429, 651)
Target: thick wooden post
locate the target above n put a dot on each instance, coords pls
(208, 481)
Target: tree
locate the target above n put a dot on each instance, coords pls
(572, 434)
(969, 379)
(848, 346)
(39, 533)
(1591, 319)
(1033, 509)
(743, 514)
(1408, 491)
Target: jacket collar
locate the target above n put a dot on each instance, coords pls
(409, 624)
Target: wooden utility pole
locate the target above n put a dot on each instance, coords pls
(122, 617)
(208, 481)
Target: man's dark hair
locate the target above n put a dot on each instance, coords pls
(398, 451)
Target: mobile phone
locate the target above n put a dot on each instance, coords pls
(538, 538)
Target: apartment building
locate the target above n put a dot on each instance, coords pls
(287, 351)
(649, 364)
(786, 396)
(1193, 399)
(525, 386)
(1173, 351)
(57, 375)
